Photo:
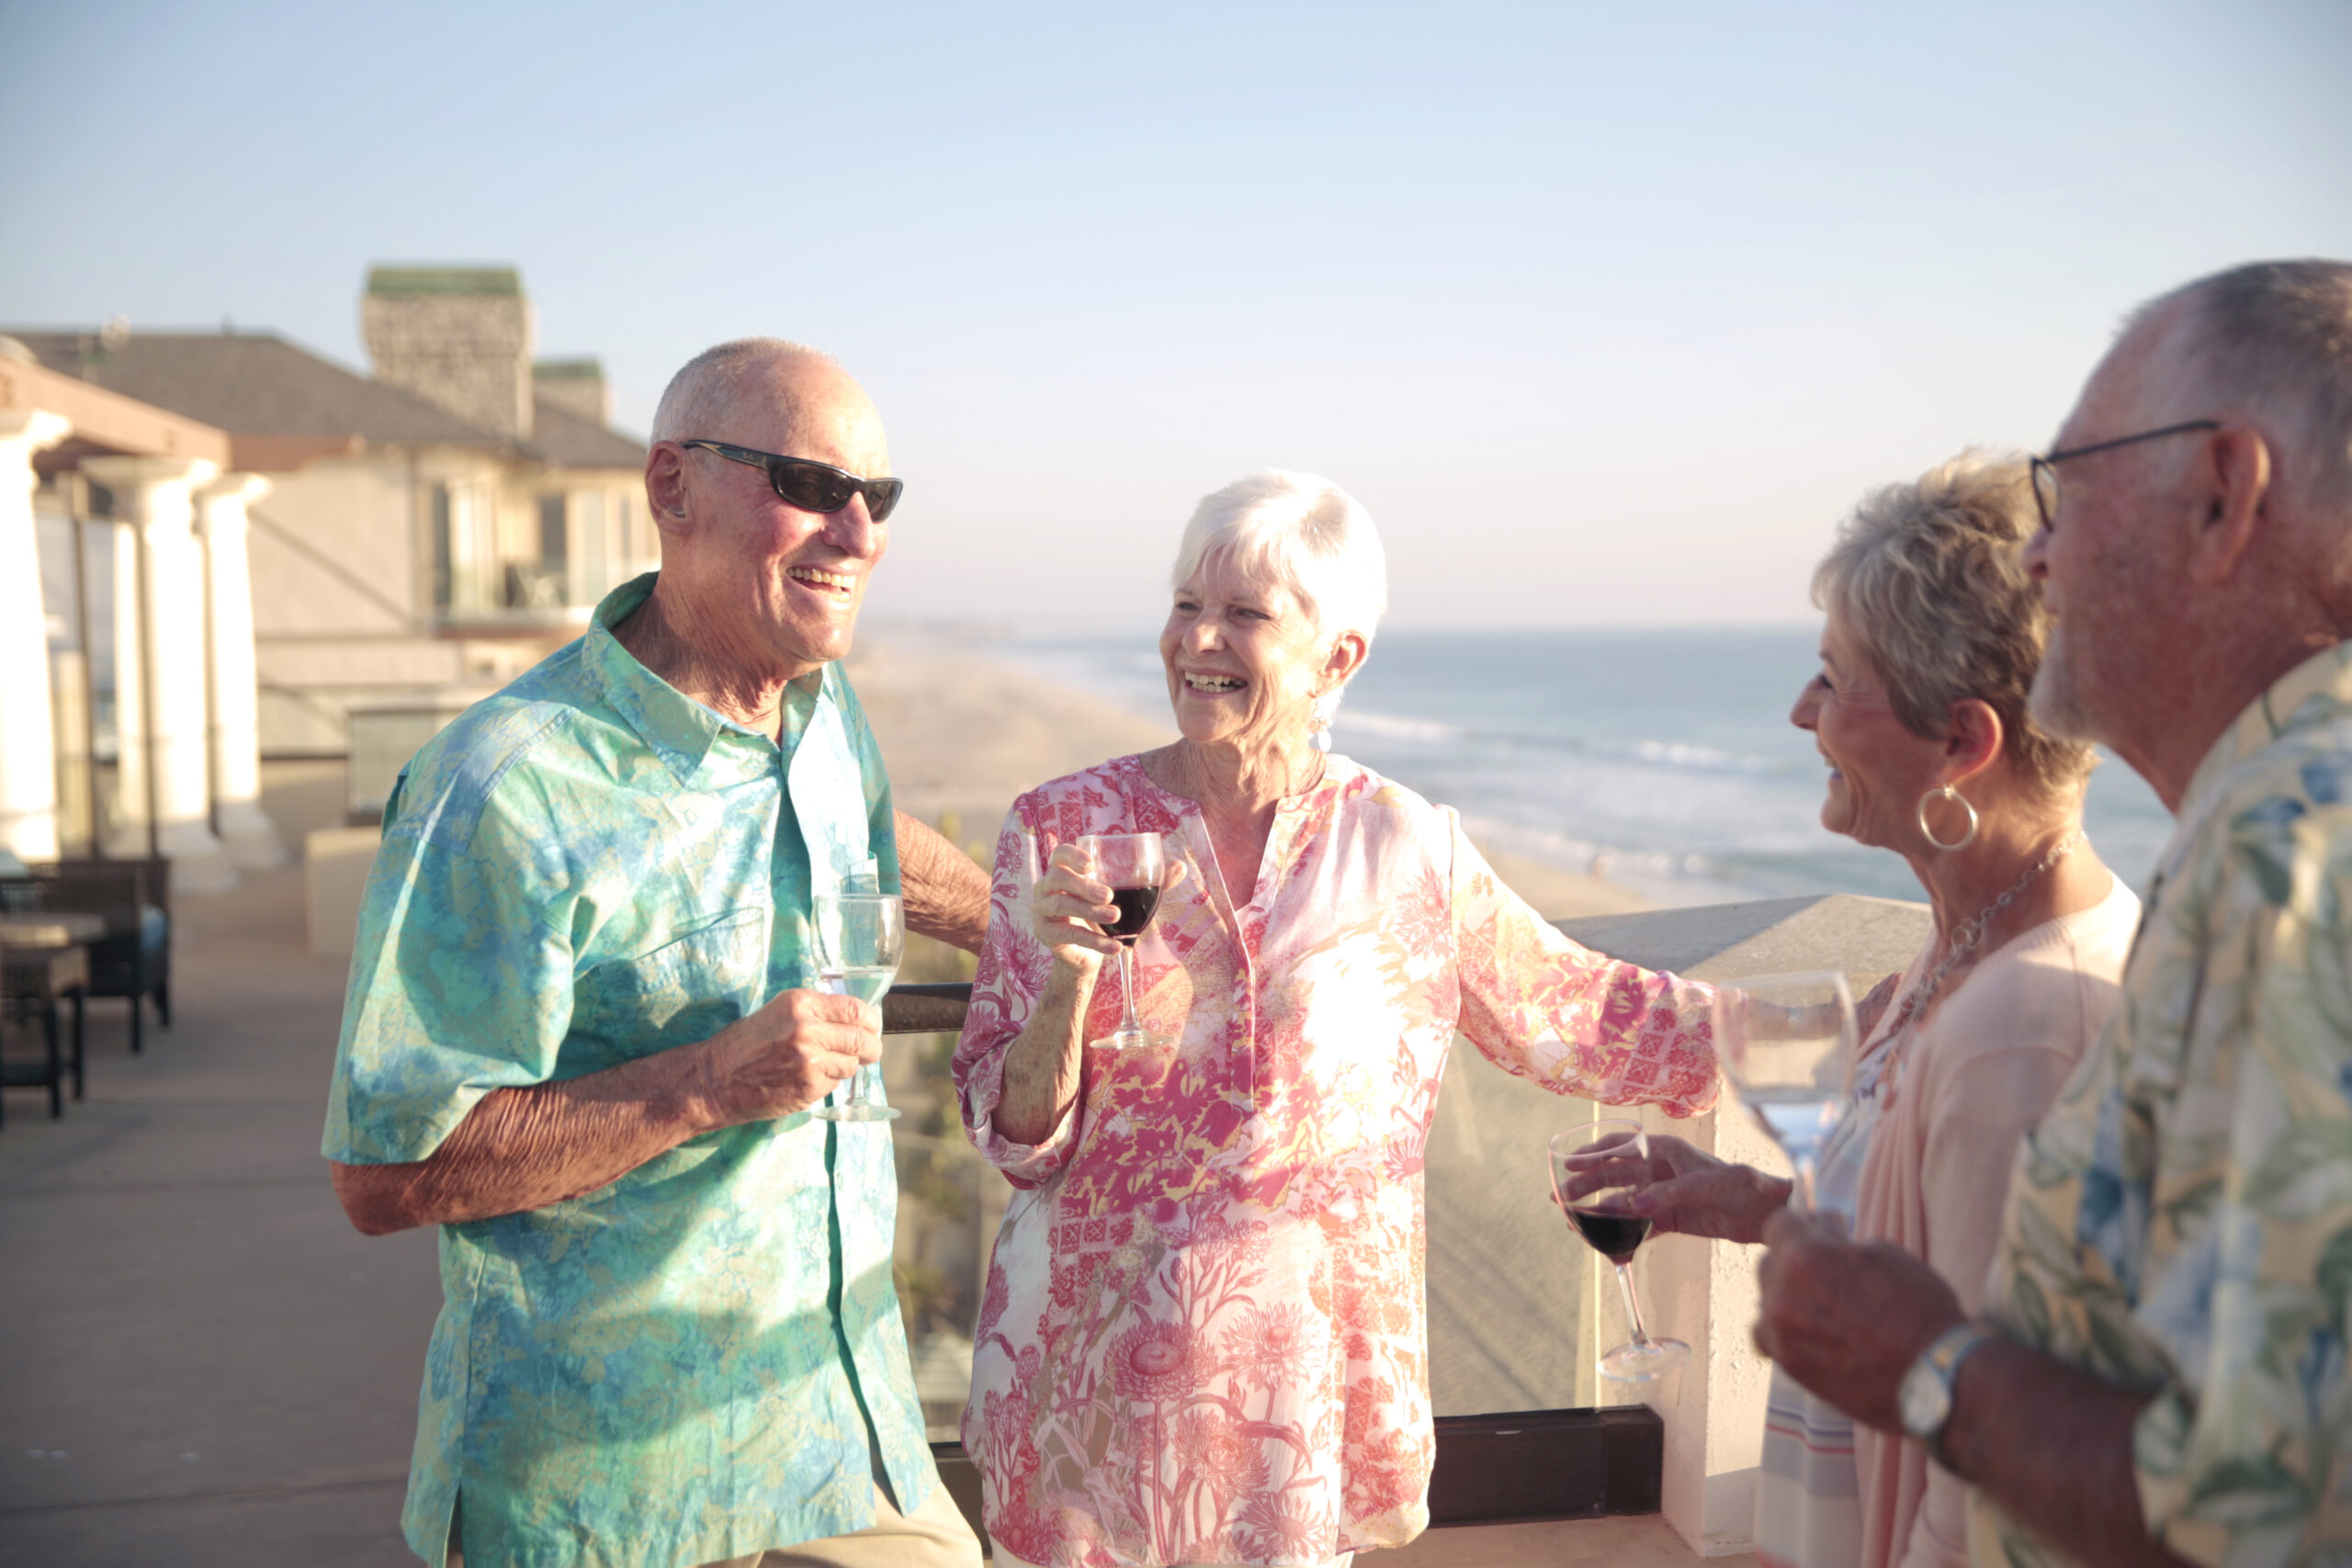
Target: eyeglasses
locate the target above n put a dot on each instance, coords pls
(810, 485)
(2045, 472)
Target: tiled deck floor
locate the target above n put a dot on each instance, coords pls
(202, 1364)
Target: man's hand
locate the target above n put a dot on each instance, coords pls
(525, 1148)
(1844, 1320)
(786, 1056)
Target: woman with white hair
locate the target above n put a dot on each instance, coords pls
(1203, 1339)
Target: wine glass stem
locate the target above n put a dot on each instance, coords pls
(1127, 989)
(1632, 1313)
(1800, 1187)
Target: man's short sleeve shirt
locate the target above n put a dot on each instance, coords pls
(586, 869)
(2181, 1222)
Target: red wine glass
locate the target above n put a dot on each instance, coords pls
(1135, 866)
(1596, 1171)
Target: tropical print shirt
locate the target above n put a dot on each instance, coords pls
(1202, 1339)
(2181, 1222)
(586, 869)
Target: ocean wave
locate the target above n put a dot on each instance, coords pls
(1703, 759)
(1391, 726)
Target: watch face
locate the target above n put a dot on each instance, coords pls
(1924, 1400)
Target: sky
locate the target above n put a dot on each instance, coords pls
(1608, 313)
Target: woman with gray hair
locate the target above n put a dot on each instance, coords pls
(1202, 1339)
(1933, 637)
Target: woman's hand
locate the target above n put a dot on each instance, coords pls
(1069, 906)
(1691, 1193)
(1068, 909)
(1871, 1008)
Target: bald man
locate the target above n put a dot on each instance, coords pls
(578, 1040)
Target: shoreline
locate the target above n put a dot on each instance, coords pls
(964, 733)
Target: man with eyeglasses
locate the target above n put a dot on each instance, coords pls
(581, 1038)
(2163, 1375)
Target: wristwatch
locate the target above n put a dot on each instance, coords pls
(1925, 1398)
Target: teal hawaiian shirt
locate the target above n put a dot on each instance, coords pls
(2181, 1221)
(704, 1358)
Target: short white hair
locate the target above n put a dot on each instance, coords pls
(703, 391)
(1300, 533)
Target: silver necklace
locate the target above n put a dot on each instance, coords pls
(1966, 935)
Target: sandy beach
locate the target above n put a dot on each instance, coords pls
(963, 734)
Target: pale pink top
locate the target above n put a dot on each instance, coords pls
(1203, 1338)
(1971, 1079)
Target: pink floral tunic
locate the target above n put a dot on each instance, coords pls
(1203, 1338)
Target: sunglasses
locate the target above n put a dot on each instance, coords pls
(810, 485)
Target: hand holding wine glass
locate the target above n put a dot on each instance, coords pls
(1134, 868)
(1069, 906)
(1596, 1171)
(861, 938)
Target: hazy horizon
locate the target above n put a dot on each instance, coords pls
(1607, 317)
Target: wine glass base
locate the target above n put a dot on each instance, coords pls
(1130, 1040)
(855, 1112)
(1642, 1363)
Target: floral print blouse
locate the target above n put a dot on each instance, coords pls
(1202, 1339)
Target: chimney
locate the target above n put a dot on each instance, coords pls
(576, 385)
(459, 336)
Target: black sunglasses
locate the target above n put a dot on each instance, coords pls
(810, 485)
(2045, 475)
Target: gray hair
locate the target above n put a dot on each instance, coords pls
(1930, 579)
(2273, 340)
(1300, 533)
(703, 391)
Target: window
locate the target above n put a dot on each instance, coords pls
(555, 533)
(443, 548)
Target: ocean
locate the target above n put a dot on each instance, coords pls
(1662, 759)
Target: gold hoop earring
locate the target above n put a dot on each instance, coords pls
(1948, 792)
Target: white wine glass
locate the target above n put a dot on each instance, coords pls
(1135, 866)
(1597, 1170)
(1786, 1042)
(861, 939)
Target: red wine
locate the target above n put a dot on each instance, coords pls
(1136, 906)
(1613, 1235)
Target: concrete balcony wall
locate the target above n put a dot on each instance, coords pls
(1705, 1292)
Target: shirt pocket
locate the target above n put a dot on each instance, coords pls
(687, 989)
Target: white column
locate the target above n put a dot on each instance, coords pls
(156, 496)
(126, 830)
(28, 727)
(250, 836)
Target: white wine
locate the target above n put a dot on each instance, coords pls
(866, 982)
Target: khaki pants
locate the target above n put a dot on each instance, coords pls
(933, 1536)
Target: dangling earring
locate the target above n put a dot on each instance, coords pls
(1947, 793)
(1318, 724)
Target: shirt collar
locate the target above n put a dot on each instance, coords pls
(679, 730)
(2312, 693)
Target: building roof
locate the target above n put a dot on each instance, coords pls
(258, 385)
(501, 280)
(569, 441)
(250, 384)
